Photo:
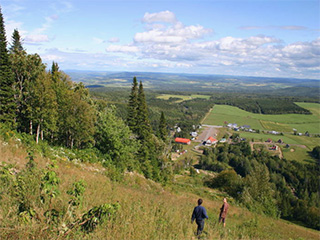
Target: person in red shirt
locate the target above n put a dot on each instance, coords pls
(223, 212)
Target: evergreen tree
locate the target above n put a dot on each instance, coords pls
(21, 68)
(163, 132)
(143, 128)
(133, 106)
(16, 45)
(7, 91)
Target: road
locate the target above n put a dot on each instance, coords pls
(208, 131)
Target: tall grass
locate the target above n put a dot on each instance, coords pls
(148, 210)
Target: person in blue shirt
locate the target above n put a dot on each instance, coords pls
(199, 214)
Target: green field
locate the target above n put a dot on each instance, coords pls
(282, 123)
(182, 97)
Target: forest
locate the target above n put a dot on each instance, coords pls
(266, 183)
(131, 130)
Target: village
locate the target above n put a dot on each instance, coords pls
(211, 135)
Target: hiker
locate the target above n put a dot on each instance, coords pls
(199, 214)
(223, 212)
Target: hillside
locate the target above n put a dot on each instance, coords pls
(147, 209)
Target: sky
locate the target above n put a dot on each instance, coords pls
(265, 38)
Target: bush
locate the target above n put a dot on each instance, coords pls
(228, 181)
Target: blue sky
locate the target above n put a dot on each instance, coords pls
(275, 38)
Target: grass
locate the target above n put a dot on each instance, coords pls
(285, 122)
(148, 210)
(298, 154)
(281, 123)
(182, 97)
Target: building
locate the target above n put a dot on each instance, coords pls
(182, 140)
(223, 140)
(211, 140)
(194, 134)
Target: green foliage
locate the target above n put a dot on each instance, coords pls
(132, 114)
(163, 131)
(268, 185)
(316, 152)
(27, 191)
(264, 105)
(16, 42)
(228, 181)
(49, 183)
(97, 215)
(143, 128)
(76, 193)
(257, 193)
(7, 91)
(113, 139)
(113, 173)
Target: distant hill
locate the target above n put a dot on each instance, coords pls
(199, 82)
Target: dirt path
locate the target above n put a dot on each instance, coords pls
(208, 131)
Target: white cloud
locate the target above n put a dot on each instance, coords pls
(176, 33)
(97, 40)
(50, 58)
(122, 48)
(37, 38)
(164, 16)
(286, 27)
(114, 40)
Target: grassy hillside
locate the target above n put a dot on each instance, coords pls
(148, 210)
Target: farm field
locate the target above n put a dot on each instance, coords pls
(283, 123)
(182, 97)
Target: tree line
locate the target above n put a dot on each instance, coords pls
(264, 105)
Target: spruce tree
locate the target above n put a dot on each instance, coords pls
(16, 45)
(163, 127)
(133, 106)
(7, 92)
(21, 69)
(143, 128)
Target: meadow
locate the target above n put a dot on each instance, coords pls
(283, 123)
(300, 146)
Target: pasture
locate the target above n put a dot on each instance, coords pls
(281, 123)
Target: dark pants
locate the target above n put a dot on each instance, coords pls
(200, 224)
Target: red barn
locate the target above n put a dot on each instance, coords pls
(183, 140)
